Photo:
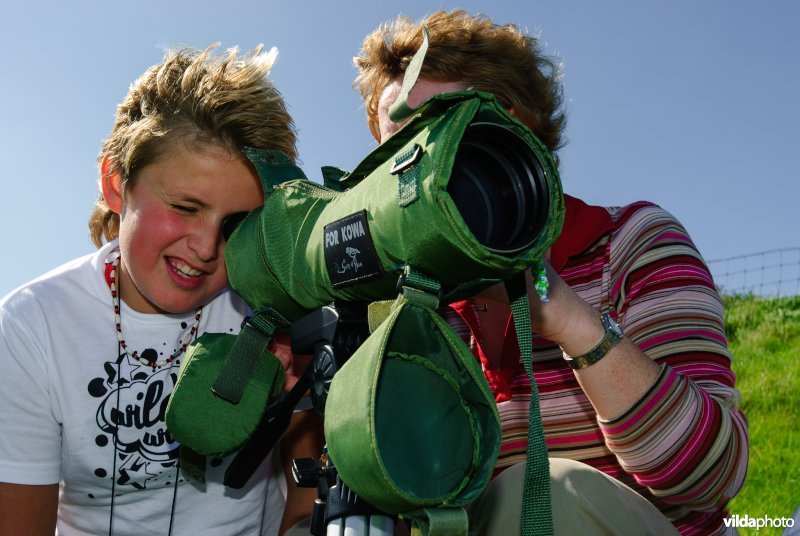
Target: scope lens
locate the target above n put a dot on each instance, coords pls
(500, 188)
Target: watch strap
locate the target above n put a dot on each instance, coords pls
(612, 336)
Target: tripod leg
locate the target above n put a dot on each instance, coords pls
(356, 526)
(381, 526)
(335, 527)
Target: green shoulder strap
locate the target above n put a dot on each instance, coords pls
(537, 514)
(400, 109)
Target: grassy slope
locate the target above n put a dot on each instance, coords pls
(764, 335)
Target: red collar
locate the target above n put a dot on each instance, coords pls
(583, 225)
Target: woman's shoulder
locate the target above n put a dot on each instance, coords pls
(640, 211)
(651, 248)
(644, 222)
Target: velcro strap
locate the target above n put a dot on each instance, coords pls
(405, 165)
(377, 312)
(419, 288)
(439, 522)
(249, 347)
(273, 166)
(400, 109)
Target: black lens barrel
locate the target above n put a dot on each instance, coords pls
(499, 186)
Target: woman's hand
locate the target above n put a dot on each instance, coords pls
(566, 318)
(615, 382)
(556, 320)
(294, 365)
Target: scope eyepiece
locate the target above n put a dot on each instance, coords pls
(231, 223)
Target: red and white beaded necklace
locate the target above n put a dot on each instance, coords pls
(112, 281)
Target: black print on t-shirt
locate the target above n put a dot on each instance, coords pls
(130, 417)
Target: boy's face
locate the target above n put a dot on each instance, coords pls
(171, 221)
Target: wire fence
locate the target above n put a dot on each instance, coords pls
(772, 273)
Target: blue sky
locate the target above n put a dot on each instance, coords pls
(692, 104)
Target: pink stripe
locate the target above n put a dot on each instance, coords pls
(689, 449)
(713, 477)
(513, 445)
(673, 273)
(659, 395)
(678, 335)
(672, 234)
(573, 439)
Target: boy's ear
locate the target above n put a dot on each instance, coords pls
(111, 184)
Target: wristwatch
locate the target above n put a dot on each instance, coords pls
(613, 334)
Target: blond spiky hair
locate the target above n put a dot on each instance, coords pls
(199, 97)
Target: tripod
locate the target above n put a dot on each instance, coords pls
(338, 511)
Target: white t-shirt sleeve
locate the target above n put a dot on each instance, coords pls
(30, 429)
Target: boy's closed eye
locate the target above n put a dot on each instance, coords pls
(184, 208)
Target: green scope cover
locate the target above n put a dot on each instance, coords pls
(310, 245)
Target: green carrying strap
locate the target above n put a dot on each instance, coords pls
(425, 291)
(400, 109)
(419, 288)
(537, 515)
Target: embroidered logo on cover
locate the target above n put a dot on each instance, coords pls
(349, 251)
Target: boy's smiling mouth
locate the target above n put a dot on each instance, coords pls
(183, 268)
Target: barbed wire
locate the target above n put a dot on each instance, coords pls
(771, 273)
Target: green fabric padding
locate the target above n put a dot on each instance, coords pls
(206, 423)
(405, 424)
(410, 421)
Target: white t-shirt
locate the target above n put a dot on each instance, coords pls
(67, 395)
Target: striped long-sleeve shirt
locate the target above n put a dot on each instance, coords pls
(683, 445)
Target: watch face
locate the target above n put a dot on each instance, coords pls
(611, 325)
(616, 327)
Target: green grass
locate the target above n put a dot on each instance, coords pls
(764, 336)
